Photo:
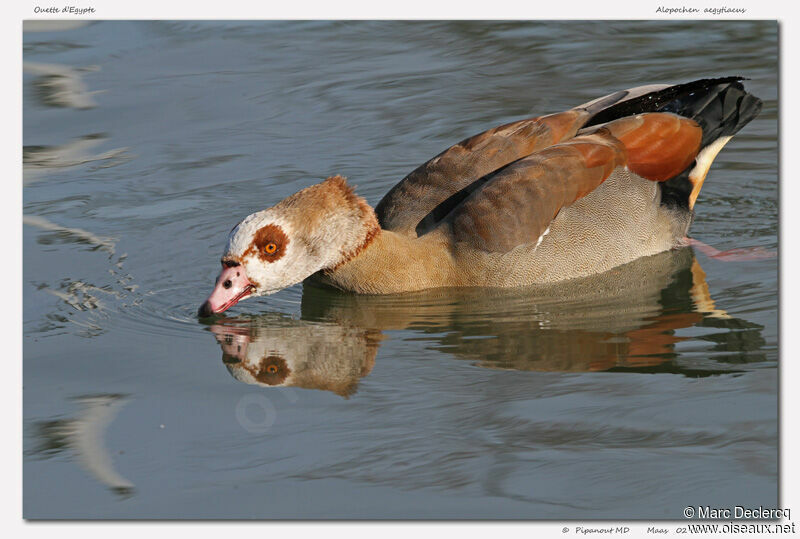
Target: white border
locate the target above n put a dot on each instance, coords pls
(11, 36)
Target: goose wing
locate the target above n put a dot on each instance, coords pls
(516, 205)
(420, 200)
(410, 202)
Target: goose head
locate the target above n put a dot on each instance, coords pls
(318, 228)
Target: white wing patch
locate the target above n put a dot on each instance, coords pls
(539, 241)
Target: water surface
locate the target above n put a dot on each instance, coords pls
(628, 395)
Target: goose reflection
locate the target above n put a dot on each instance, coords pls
(623, 320)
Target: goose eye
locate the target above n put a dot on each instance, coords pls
(272, 370)
(269, 244)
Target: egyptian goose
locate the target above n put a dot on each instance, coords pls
(535, 201)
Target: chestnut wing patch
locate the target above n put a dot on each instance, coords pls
(659, 145)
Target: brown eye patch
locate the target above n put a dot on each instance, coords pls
(272, 370)
(269, 243)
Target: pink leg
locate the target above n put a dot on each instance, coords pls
(732, 255)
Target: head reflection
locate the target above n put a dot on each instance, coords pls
(314, 356)
(628, 319)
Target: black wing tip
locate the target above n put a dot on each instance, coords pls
(667, 99)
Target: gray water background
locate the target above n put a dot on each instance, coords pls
(628, 396)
